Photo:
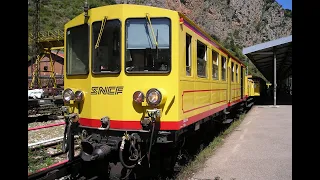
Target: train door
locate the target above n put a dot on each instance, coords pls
(229, 79)
(241, 81)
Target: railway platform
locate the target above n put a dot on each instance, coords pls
(260, 148)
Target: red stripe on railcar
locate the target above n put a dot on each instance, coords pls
(164, 125)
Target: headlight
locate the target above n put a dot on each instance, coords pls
(154, 97)
(68, 95)
(79, 96)
(138, 97)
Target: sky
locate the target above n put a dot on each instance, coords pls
(286, 4)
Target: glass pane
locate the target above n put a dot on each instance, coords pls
(77, 45)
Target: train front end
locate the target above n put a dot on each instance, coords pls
(120, 81)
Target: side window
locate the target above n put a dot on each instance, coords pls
(223, 68)
(237, 69)
(188, 55)
(232, 72)
(215, 65)
(201, 59)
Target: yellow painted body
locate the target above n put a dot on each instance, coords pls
(121, 106)
(186, 96)
(268, 85)
(256, 88)
(252, 87)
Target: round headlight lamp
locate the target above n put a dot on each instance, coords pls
(154, 97)
(68, 95)
(79, 96)
(138, 97)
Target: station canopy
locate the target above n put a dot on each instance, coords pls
(262, 56)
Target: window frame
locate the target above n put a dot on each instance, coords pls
(206, 60)
(88, 36)
(232, 71)
(120, 49)
(125, 47)
(237, 73)
(218, 64)
(222, 67)
(189, 54)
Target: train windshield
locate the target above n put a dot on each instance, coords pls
(148, 48)
(77, 50)
(106, 46)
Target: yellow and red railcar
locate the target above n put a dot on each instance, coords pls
(144, 76)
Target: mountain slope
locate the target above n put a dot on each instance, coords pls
(234, 23)
(248, 21)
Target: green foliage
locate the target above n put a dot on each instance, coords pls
(252, 70)
(55, 13)
(236, 34)
(270, 1)
(234, 48)
(268, 4)
(183, 1)
(215, 37)
(288, 13)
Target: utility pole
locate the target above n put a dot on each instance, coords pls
(36, 27)
(35, 32)
(35, 38)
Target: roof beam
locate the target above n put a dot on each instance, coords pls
(261, 53)
(278, 54)
(267, 52)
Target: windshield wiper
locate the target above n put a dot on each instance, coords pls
(153, 35)
(101, 31)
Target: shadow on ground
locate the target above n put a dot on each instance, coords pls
(282, 99)
(193, 146)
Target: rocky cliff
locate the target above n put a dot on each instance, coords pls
(246, 22)
(234, 23)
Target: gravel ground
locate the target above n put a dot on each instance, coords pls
(45, 134)
(41, 159)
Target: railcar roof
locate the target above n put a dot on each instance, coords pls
(185, 19)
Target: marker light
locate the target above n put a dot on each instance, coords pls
(138, 97)
(79, 96)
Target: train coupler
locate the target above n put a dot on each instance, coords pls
(96, 147)
(153, 114)
(71, 125)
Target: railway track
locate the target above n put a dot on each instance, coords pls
(44, 109)
(65, 168)
(54, 143)
(74, 165)
(48, 152)
(44, 147)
